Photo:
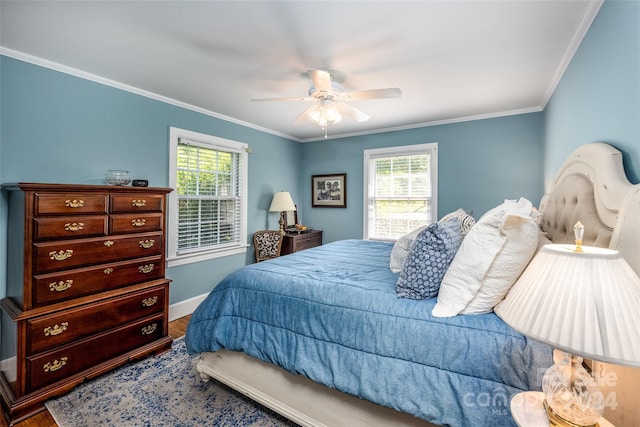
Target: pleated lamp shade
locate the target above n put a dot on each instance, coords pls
(584, 303)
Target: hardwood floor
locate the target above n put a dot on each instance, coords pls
(177, 328)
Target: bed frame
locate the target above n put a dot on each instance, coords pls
(591, 186)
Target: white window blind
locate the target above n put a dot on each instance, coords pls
(210, 192)
(401, 190)
(209, 198)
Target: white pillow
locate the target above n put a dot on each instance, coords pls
(401, 249)
(492, 256)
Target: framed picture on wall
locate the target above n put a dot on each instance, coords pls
(329, 191)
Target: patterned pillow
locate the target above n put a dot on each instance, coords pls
(430, 256)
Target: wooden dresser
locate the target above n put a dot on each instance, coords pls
(86, 290)
(295, 242)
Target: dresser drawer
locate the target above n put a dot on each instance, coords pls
(307, 241)
(69, 204)
(56, 256)
(136, 203)
(46, 332)
(135, 223)
(64, 285)
(46, 368)
(69, 227)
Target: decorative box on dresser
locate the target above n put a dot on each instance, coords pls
(86, 290)
(295, 242)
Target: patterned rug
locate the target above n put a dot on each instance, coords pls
(160, 391)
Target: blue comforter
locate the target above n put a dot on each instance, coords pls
(331, 314)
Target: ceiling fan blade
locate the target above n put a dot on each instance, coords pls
(321, 80)
(354, 113)
(391, 92)
(292, 98)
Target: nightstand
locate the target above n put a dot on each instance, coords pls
(294, 242)
(528, 410)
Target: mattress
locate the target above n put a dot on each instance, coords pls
(331, 313)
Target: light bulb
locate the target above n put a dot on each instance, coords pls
(331, 113)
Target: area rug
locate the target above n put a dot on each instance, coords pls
(165, 390)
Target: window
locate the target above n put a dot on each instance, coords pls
(401, 190)
(207, 209)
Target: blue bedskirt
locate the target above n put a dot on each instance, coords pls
(331, 314)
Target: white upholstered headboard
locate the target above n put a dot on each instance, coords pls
(591, 187)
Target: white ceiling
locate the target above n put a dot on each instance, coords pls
(453, 60)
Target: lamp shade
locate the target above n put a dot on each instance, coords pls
(281, 202)
(584, 303)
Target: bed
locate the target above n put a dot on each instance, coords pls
(321, 337)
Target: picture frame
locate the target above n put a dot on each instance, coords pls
(329, 191)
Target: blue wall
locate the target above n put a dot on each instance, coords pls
(60, 128)
(598, 98)
(480, 163)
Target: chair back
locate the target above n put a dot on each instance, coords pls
(267, 244)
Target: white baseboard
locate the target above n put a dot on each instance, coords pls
(176, 311)
(186, 307)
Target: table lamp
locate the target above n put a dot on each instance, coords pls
(585, 302)
(282, 202)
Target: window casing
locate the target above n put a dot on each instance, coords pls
(207, 209)
(401, 185)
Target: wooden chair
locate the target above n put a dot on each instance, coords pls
(267, 244)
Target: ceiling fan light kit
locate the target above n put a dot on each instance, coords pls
(329, 96)
(323, 113)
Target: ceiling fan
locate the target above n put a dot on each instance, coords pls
(329, 100)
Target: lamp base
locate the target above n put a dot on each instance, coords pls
(281, 223)
(556, 420)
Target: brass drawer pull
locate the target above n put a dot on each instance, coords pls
(140, 222)
(108, 243)
(138, 203)
(108, 270)
(74, 203)
(56, 330)
(147, 268)
(146, 244)
(148, 330)
(55, 365)
(61, 255)
(60, 286)
(76, 226)
(148, 302)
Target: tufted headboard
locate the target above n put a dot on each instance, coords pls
(591, 187)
